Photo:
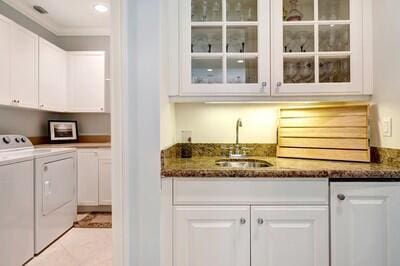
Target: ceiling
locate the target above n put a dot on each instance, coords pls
(67, 17)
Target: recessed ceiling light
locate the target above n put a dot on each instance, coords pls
(101, 8)
(240, 61)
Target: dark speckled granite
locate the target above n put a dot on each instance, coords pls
(204, 166)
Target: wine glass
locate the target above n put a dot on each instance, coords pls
(306, 71)
(287, 40)
(238, 10)
(291, 71)
(216, 11)
(303, 38)
(204, 8)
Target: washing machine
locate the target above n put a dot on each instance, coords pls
(53, 188)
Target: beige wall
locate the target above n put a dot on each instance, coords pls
(386, 72)
(215, 123)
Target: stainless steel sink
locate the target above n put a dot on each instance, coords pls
(242, 163)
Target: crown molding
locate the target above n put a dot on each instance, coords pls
(54, 28)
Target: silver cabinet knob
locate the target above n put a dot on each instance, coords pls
(242, 220)
(260, 220)
(278, 84)
(341, 197)
(264, 85)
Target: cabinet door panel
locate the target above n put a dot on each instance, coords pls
(105, 182)
(88, 178)
(24, 67)
(224, 47)
(365, 218)
(87, 81)
(5, 59)
(52, 77)
(288, 236)
(317, 47)
(212, 236)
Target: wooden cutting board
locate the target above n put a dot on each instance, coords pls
(330, 132)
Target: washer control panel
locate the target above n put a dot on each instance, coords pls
(14, 142)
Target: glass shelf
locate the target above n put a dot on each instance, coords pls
(206, 70)
(241, 39)
(206, 10)
(298, 39)
(334, 10)
(241, 10)
(242, 70)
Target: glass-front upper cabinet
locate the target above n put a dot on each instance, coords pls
(317, 47)
(224, 47)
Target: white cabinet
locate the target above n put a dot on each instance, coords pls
(52, 77)
(365, 219)
(224, 47)
(212, 236)
(105, 177)
(318, 47)
(88, 177)
(272, 47)
(24, 67)
(271, 223)
(86, 81)
(5, 59)
(290, 235)
(94, 177)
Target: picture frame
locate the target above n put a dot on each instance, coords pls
(63, 131)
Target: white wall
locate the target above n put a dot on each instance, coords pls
(216, 123)
(167, 109)
(386, 71)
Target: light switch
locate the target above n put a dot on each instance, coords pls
(387, 127)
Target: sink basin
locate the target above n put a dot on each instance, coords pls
(242, 163)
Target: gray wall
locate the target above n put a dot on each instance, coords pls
(34, 123)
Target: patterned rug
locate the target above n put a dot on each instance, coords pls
(95, 220)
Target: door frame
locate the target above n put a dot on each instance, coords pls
(135, 122)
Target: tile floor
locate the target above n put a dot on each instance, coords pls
(78, 247)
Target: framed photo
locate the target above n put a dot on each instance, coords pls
(63, 131)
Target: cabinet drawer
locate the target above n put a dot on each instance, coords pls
(234, 191)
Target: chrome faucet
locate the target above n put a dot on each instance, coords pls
(238, 124)
(237, 153)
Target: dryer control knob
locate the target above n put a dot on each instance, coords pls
(6, 140)
(17, 140)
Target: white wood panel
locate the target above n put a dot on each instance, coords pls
(105, 182)
(212, 236)
(24, 67)
(88, 178)
(227, 191)
(5, 59)
(365, 224)
(52, 77)
(288, 236)
(86, 81)
(166, 217)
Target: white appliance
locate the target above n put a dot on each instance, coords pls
(54, 186)
(16, 204)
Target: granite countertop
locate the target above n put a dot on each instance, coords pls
(204, 166)
(78, 145)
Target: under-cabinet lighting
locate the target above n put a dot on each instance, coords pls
(210, 70)
(240, 61)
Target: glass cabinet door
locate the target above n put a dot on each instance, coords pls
(317, 46)
(224, 46)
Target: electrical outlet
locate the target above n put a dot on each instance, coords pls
(387, 127)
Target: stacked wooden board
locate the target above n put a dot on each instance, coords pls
(331, 132)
